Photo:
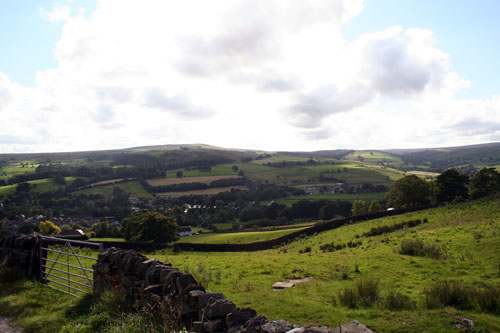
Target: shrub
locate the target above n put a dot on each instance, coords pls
(489, 299)
(349, 298)
(365, 293)
(328, 247)
(396, 301)
(449, 293)
(368, 290)
(416, 247)
(306, 250)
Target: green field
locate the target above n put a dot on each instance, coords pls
(106, 239)
(468, 233)
(40, 186)
(368, 197)
(373, 157)
(134, 188)
(236, 237)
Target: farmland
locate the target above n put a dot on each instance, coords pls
(468, 235)
(208, 191)
(184, 180)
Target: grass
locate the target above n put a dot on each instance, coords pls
(37, 308)
(106, 239)
(190, 179)
(207, 191)
(40, 186)
(134, 188)
(468, 234)
(236, 237)
(368, 197)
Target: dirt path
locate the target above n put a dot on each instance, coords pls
(6, 327)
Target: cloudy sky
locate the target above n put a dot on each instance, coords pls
(259, 74)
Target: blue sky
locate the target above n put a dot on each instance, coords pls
(328, 74)
(27, 39)
(467, 30)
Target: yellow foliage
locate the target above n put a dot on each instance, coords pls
(48, 228)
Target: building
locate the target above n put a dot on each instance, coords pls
(185, 231)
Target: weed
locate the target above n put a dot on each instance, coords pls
(364, 293)
(416, 247)
(368, 290)
(488, 299)
(305, 250)
(396, 301)
(449, 293)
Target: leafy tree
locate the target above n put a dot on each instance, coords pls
(241, 173)
(23, 187)
(48, 228)
(374, 207)
(450, 185)
(150, 227)
(409, 191)
(179, 174)
(235, 168)
(359, 207)
(485, 182)
(59, 180)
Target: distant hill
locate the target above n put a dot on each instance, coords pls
(440, 159)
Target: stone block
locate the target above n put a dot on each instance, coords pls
(239, 317)
(218, 309)
(276, 326)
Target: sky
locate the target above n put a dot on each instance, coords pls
(255, 74)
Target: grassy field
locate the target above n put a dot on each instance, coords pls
(40, 186)
(15, 168)
(184, 180)
(373, 157)
(368, 197)
(468, 235)
(134, 188)
(207, 191)
(235, 237)
(106, 239)
(426, 174)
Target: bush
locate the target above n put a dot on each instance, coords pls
(449, 293)
(396, 301)
(306, 250)
(489, 299)
(416, 247)
(365, 293)
(391, 228)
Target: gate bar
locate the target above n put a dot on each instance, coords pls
(78, 275)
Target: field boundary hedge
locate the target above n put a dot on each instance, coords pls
(269, 244)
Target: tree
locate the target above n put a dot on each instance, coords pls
(359, 207)
(409, 191)
(48, 228)
(178, 174)
(241, 173)
(235, 168)
(485, 182)
(374, 206)
(150, 227)
(450, 185)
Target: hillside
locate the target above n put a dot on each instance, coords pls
(467, 237)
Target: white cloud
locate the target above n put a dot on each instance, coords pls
(266, 74)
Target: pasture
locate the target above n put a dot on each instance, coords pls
(367, 197)
(184, 180)
(236, 237)
(468, 236)
(134, 188)
(207, 191)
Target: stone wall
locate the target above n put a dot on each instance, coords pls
(180, 301)
(21, 252)
(272, 243)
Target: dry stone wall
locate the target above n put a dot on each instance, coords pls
(21, 252)
(179, 300)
